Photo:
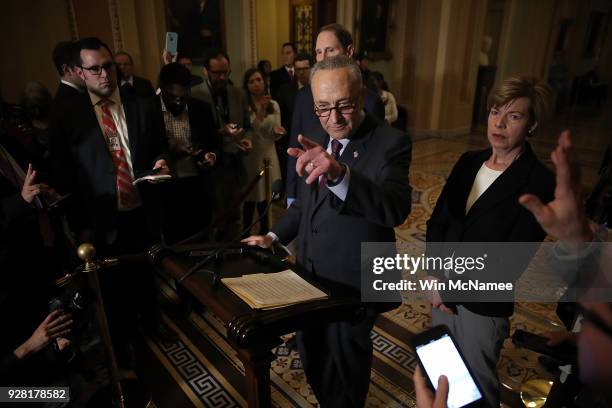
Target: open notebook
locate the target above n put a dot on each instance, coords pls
(154, 178)
(273, 290)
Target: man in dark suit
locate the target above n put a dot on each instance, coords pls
(101, 143)
(354, 189)
(286, 101)
(194, 147)
(65, 59)
(139, 86)
(333, 39)
(231, 114)
(286, 73)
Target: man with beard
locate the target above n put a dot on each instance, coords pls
(231, 117)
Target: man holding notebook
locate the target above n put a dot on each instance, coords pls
(354, 189)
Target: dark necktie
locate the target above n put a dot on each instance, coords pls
(336, 146)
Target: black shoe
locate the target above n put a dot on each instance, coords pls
(163, 332)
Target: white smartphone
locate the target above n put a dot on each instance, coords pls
(438, 354)
(172, 43)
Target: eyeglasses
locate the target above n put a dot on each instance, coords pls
(342, 110)
(595, 320)
(97, 69)
(219, 73)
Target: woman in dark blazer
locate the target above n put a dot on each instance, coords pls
(479, 203)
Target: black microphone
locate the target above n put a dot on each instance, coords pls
(277, 190)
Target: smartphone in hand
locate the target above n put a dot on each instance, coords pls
(172, 43)
(438, 354)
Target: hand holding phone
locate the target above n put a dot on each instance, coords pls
(438, 355)
(564, 352)
(424, 396)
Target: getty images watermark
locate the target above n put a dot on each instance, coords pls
(485, 272)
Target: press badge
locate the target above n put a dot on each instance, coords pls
(113, 144)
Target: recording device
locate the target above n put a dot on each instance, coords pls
(438, 354)
(277, 189)
(77, 301)
(172, 43)
(564, 352)
(58, 206)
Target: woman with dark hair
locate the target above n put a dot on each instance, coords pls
(479, 203)
(264, 115)
(376, 82)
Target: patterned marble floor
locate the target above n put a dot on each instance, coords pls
(202, 370)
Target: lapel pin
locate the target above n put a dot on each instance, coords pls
(355, 154)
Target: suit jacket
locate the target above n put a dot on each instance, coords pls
(141, 87)
(21, 246)
(306, 122)
(236, 101)
(286, 101)
(238, 109)
(278, 77)
(330, 231)
(82, 164)
(496, 216)
(63, 92)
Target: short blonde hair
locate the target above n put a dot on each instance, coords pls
(538, 92)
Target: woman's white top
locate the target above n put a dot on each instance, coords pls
(484, 178)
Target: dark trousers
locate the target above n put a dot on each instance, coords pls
(187, 207)
(248, 211)
(281, 151)
(229, 179)
(128, 289)
(337, 359)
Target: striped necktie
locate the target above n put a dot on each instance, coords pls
(127, 195)
(336, 146)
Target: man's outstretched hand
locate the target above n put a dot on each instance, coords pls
(314, 160)
(263, 241)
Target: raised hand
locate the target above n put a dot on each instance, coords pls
(314, 160)
(168, 58)
(30, 189)
(564, 217)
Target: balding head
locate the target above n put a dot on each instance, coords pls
(337, 93)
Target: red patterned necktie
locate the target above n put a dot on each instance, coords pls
(127, 195)
(336, 146)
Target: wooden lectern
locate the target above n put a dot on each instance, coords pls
(252, 333)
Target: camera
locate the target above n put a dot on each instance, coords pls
(76, 301)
